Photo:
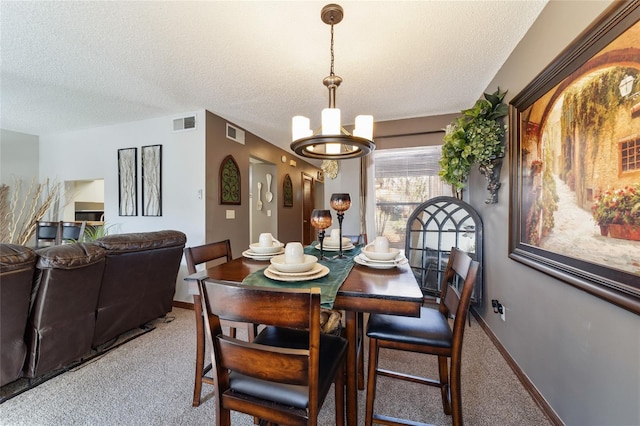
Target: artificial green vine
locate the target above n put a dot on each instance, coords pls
(475, 138)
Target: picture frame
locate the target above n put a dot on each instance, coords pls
(574, 140)
(128, 182)
(287, 191)
(229, 181)
(151, 180)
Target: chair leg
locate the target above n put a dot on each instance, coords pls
(456, 395)
(197, 386)
(338, 385)
(372, 378)
(443, 370)
(360, 317)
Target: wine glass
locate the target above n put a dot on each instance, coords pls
(340, 203)
(321, 220)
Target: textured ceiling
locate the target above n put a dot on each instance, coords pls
(74, 65)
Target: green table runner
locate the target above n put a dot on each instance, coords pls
(329, 284)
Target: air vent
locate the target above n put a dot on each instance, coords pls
(184, 123)
(235, 134)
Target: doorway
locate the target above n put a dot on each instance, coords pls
(308, 232)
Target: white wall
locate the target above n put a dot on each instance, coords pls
(93, 154)
(18, 157)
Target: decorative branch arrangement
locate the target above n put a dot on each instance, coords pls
(19, 214)
(476, 138)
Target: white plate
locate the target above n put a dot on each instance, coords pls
(317, 267)
(257, 256)
(279, 263)
(344, 247)
(377, 265)
(258, 249)
(391, 254)
(323, 271)
(335, 243)
(397, 260)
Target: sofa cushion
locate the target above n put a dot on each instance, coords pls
(142, 241)
(14, 257)
(70, 256)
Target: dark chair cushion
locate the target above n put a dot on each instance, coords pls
(331, 350)
(431, 328)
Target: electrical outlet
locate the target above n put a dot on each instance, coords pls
(503, 313)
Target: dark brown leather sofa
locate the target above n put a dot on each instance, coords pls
(17, 267)
(62, 318)
(65, 303)
(139, 280)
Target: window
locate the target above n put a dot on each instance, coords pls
(630, 156)
(404, 178)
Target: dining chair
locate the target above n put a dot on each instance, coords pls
(360, 239)
(431, 334)
(284, 375)
(72, 231)
(48, 233)
(194, 256)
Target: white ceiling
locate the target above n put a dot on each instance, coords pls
(74, 65)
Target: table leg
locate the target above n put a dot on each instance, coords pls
(352, 368)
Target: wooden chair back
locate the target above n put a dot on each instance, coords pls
(296, 365)
(360, 239)
(207, 253)
(194, 256)
(457, 271)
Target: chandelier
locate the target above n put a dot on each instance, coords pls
(332, 141)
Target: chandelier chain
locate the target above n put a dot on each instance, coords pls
(332, 57)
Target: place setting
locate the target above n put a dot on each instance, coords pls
(332, 243)
(379, 255)
(266, 248)
(295, 265)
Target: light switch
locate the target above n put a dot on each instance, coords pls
(268, 213)
(231, 214)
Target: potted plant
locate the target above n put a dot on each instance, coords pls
(618, 212)
(475, 138)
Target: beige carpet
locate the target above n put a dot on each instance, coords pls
(149, 381)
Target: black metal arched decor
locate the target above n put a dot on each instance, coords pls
(229, 181)
(433, 228)
(287, 191)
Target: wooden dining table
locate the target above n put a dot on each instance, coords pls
(367, 290)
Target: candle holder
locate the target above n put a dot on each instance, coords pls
(321, 220)
(340, 203)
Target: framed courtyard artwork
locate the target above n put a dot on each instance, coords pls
(152, 180)
(575, 162)
(128, 182)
